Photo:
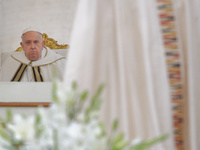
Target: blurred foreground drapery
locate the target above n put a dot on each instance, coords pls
(118, 43)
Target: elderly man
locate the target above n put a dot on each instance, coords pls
(34, 63)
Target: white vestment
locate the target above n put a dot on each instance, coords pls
(12, 65)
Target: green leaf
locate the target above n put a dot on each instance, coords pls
(97, 94)
(55, 139)
(54, 91)
(8, 115)
(3, 133)
(94, 104)
(148, 143)
(2, 120)
(120, 145)
(74, 85)
(84, 95)
(103, 133)
(118, 138)
(115, 125)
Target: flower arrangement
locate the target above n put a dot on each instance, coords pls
(69, 123)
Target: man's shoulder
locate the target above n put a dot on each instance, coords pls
(5, 56)
(9, 64)
(8, 57)
(57, 53)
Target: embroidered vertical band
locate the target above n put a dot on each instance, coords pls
(37, 74)
(172, 49)
(19, 73)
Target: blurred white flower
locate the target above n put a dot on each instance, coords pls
(22, 128)
(136, 141)
(66, 125)
(3, 144)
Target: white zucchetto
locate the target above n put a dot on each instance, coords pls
(31, 29)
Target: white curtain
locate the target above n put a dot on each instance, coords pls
(188, 25)
(118, 43)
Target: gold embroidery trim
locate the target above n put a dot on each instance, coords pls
(51, 62)
(37, 74)
(19, 73)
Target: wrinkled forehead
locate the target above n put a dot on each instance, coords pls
(32, 35)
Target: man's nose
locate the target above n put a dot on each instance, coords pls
(32, 45)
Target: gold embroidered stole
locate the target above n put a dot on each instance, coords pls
(37, 74)
(36, 71)
(19, 73)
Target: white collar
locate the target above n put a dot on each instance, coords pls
(48, 56)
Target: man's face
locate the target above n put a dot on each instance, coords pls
(32, 44)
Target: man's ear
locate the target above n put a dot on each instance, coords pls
(43, 43)
(21, 44)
